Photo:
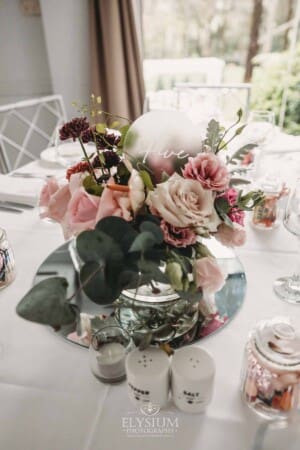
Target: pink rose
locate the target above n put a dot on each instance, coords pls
(179, 237)
(114, 203)
(231, 237)
(58, 203)
(184, 203)
(48, 190)
(207, 274)
(81, 213)
(209, 170)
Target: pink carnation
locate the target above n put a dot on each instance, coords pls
(237, 215)
(231, 237)
(208, 275)
(209, 170)
(230, 195)
(179, 237)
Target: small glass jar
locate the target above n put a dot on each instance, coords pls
(7, 261)
(157, 309)
(266, 215)
(271, 371)
(108, 349)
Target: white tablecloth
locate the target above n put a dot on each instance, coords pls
(51, 401)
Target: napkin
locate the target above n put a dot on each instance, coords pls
(20, 190)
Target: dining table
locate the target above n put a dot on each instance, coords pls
(50, 400)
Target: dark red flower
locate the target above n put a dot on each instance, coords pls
(74, 128)
(111, 159)
(88, 135)
(82, 166)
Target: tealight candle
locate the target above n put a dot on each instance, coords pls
(192, 377)
(108, 350)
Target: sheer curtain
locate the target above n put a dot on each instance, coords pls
(116, 62)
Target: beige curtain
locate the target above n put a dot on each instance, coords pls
(117, 72)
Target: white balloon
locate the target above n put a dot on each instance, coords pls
(160, 137)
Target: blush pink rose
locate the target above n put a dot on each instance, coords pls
(114, 203)
(81, 213)
(207, 274)
(231, 237)
(179, 237)
(47, 191)
(58, 204)
(184, 203)
(209, 170)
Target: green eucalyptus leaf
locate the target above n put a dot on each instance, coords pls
(143, 242)
(154, 229)
(119, 230)
(151, 268)
(46, 303)
(95, 245)
(103, 287)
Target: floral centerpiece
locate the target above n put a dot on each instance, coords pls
(135, 226)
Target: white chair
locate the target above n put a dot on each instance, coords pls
(28, 127)
(219, 101)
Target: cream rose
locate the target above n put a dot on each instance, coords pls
(184, 203)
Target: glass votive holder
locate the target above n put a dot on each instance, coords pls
(270, 381)
(148, 376)
(192, 379)
(7, 261)
(108, 349)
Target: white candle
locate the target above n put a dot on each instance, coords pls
(111, 360)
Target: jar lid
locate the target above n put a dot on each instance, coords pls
(155, 293)
(278, 341)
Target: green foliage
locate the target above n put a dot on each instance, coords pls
(90, 185)
(268, 84)
(213, 135)
(46, 303)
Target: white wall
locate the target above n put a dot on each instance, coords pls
(66, 25)
(24, 69)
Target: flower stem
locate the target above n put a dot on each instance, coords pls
(88, 160)
(88, 279)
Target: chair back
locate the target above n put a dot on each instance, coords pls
(28, 127)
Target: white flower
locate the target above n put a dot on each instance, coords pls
(136, 190)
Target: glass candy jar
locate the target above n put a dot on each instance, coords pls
(271, 370)
(266, 214)
(156, 310)
(7, 262)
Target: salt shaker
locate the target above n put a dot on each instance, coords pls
(7, 262)
(271, 372)
(192, 378)
(148, 376)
